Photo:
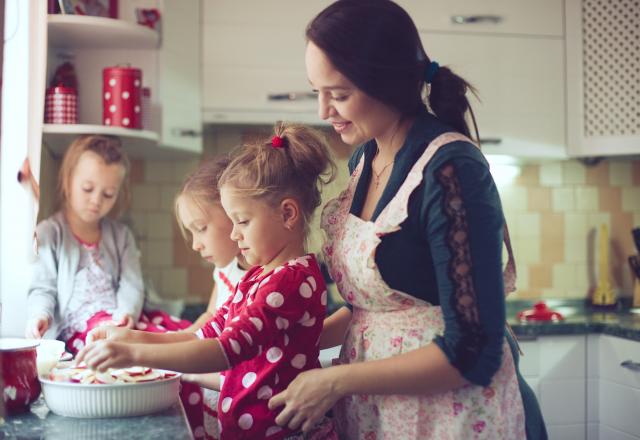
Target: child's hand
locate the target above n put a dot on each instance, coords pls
(37, 327)
(107, 354)
(109, 332)
(127, 321)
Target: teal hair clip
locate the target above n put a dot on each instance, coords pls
(430, 71)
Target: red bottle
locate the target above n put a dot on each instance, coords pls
(121, 93)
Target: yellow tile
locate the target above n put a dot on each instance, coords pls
(529, 176)
(563, 199)
(574, 173)
(527, 250)
(586, 199)
(553, 293)
(576, 293)
(528, 224)
(522, 282)
(552, 250)
(563, 276)
(514, 198)
(594, 220)
(552, 225)
(539, 199)
(551, 174)
(584, 276)
(540, 276)
(620, 173)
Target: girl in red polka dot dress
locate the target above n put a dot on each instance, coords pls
(268, 331)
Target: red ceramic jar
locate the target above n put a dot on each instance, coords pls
(19, 373)
(121, 97)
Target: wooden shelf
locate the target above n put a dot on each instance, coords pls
(84, 32)
(137, 143)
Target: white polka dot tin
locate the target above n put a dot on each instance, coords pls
(121, 97)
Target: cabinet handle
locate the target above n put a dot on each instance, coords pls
(186, 132)
(292, 96)
(490, 141)
(476, 19)
(629, 364)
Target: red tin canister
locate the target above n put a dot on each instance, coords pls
(121, 93)
(61, 105)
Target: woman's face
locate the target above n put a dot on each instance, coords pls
(356, 116)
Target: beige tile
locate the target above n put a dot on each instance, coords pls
(610, 199)
(526, 294)
(553, 293)
(159, 226)
(514, 198)
(594, 220)
(527, 250)
(183, 169)
(598, 175)
(540, 276)
(539, 199)
(620, 173)
(631, 199)
(575, 250)
(159, 171)
(586, 199)
(160, 253)
(183, 254)
(145, 198)
(528, 225)
(168, 195)
(523, 278)
(576, 293)
(551, 174)
(529, 176)
(139, 224)
(575, 225)
(200, 282)
(174, 283)
(584, 276)
(636, 219)
(563, 199)
(574, 173)
(563, 276)
(552, 250)
(136, 174)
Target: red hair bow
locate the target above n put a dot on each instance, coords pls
(277, 142)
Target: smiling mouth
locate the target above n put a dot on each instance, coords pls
(340, 126)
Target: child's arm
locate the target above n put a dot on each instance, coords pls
(334, 328)
(113, 333)
(196, 356)
(130, 293)
(207, 315)
(42, 296)
(209, 380)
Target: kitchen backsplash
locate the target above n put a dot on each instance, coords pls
(553, 210)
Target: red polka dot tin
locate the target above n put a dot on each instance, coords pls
(121, 97)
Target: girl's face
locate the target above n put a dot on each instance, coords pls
(258, 228)
(356, 116)
(94, 187)
(210, 230)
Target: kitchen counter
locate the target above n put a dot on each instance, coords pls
(580, 318)
(40, 423)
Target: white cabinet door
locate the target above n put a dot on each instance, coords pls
(520, 82)
(179, 76)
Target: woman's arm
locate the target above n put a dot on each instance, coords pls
(334, 328)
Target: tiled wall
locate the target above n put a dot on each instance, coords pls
(553, 210)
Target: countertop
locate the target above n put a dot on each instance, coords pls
(580, 318)
(40, 423)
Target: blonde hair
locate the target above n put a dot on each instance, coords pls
(297, 169)
(201, 186)
(109, 149)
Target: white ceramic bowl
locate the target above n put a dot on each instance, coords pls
(110, 400)
(48, 353)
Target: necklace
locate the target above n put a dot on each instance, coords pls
(376, 176)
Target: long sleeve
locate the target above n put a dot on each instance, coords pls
(130, 290)
(42, 296)
(464, 223)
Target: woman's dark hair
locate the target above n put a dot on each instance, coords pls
(376, 45)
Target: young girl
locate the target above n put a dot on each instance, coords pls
(200, 214)
(88, 269)
(268, 331)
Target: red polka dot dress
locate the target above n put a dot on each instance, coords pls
(269, 330)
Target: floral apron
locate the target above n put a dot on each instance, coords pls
(387, 322)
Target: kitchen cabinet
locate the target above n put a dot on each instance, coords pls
(554, 367)
(253, 62)
(613, 385)
(171, 69)
(603, 65)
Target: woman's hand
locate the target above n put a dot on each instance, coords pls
(307, 399)
(37, 327)
(107, 354)
(110, 332)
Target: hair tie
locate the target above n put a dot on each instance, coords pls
(277, 142)
(430, 71)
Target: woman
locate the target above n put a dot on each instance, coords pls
(414, 245)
